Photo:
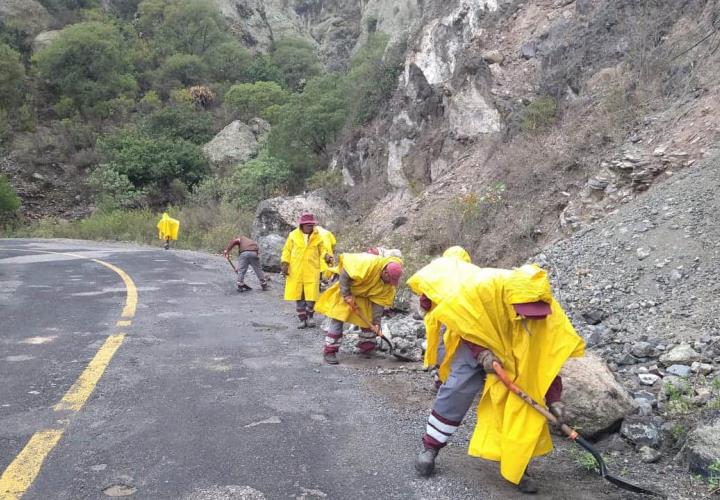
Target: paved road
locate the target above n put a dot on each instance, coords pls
(210, 393)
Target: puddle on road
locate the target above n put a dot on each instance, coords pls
(20, 357)
(119, 490)
(38, 340)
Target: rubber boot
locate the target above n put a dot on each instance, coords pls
(425, 462)
(302, 324)
(331, 358)
(527, 485)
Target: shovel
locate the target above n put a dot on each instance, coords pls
(227, 257)
(376, 329)
(571, 434)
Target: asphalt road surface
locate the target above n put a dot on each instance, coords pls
(191, 390)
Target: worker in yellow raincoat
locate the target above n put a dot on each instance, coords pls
(168, 229)
(449, 266)
(300, 264)
(367, 284)
(501, 315)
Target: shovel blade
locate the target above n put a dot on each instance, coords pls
(621, 483)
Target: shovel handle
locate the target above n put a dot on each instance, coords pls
(503, 376)
(227, 257)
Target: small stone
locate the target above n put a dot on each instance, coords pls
(493, 57)
(593, 316)
(627, 359)
(682, 353)
(643, 350)
(646, 396)
(642, 253)
(702, 368)
(648, 378)
(648, 455)
(641, 432)
(679, 370)
(644, 409)
(528, 50)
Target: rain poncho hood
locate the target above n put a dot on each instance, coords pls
(367, 287)
(532, 352)
(168, 228)
(437, 281)
(304, 264)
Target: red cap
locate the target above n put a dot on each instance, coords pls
(307, 218)
(533, 310)
(394, 271)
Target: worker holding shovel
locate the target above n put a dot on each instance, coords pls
(497, 316)
(248, 256)
(367, 284)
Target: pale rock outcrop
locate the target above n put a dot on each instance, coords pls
(236, 143)
(280, 215)
(44, 39)
(28, 14)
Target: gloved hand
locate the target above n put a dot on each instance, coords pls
(558, 409)
(285, 269)
(225, 254)
(350, 300)
(486, 358)
(329, 260)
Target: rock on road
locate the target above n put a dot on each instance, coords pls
(212, 394)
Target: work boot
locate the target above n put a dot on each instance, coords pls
(425, 462)
(264, 285)
(310, 323)
(331, 358)
(302, 324)
(527, 485)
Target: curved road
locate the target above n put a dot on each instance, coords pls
(193, 392)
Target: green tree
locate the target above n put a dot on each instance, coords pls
(181, 121)
(12, 78)
(183, 69)
(87, 63)
(187, 26)
(153, 161)
(228, 62)
(9, 200)
(297, 61)
(258, 179)
(59, 6)
(262, 69)
(373, 77)
(249, 100)
(309, 124)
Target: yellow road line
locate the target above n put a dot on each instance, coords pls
(75, 398)
(131, 300)
(23, 470)
(20, 474)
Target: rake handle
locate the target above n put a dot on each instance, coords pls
(503, 376)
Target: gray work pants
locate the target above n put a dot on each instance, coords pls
(249, 258)
(454, 398)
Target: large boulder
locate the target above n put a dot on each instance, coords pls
(280, 215)
(597, 403)
(29, 15)
(236, 143)
(271, 246)
(44, 39)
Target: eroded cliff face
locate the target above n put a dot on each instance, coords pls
(635, 97)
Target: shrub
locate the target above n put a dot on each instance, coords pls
(262, 69)
(308, 124)
(153, 161)
(180, 121)
(296, 60)
(539, 114)
(228, 62)
(87, 63)
(12, 76)
(112, 189)
(248, 100)
(183, 69)
(150, 102)
(258, 179)
(9, 200)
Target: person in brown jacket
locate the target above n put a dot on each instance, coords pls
(248, 256)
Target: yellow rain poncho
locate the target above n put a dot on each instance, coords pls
(168, 228)
(531, 351)
(437, 281)
(329, 241)
(364, 270)
(303, 256)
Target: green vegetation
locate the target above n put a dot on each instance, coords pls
(714, 477)
(539, 115)
(136, 88)
(9, 200)
(584, 458)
